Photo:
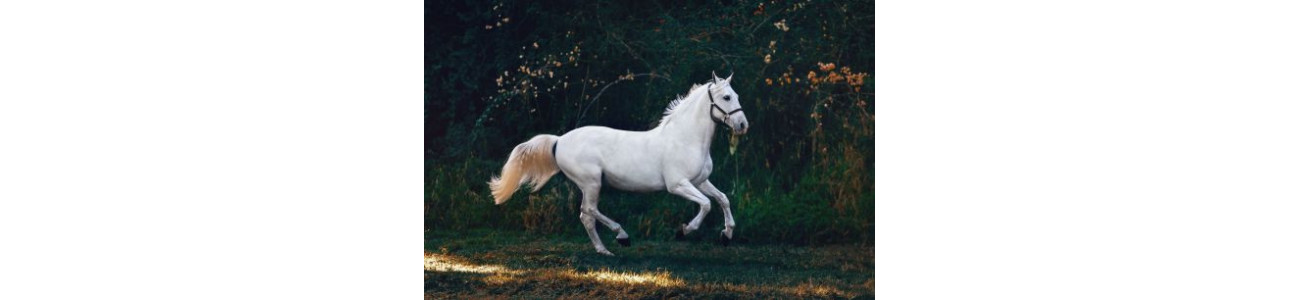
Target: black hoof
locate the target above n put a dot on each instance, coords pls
(624, 241)
(681, 235)
(726, 241)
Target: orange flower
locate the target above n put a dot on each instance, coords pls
(826, 67)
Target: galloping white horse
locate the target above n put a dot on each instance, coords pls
(672, 157)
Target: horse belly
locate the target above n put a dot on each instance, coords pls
(634, 169)
(633, 180)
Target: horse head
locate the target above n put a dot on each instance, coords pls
(725, 105)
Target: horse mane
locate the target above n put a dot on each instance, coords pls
(672, 106)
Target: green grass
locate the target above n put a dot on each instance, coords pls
(831, 205)
(490, 263)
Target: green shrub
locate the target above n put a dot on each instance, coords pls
(499, 73)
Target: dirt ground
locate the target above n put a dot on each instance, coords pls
(491, 264)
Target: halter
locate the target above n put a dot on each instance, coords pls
(714, 105)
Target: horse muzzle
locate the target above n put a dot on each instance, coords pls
(739, 124)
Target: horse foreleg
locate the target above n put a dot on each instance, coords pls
(686, 190)
(730, 224)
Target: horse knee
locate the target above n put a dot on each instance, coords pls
(587, 219)
(705, 207)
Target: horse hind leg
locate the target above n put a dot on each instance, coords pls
(589, 222)
(622, 235)
(590, 195)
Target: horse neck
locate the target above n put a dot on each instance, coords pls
(694, 125)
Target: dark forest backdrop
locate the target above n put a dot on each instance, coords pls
(499, 72)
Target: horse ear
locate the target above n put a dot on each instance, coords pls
(715, 77)
(733, 73)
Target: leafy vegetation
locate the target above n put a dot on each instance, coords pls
(500, 72)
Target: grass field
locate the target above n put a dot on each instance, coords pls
(496, 264)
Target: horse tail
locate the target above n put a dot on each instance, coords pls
(532, 162)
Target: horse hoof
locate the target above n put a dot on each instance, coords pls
(624, 241)
(726, 241)
(680, 235)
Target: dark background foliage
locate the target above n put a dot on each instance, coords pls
(500, 72)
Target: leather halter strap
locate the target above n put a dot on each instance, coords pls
(714, 105)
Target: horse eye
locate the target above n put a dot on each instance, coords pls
(726, 98)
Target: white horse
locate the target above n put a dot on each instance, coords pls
(672, 157)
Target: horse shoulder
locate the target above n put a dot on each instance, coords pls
(705, 170)
(687, 165)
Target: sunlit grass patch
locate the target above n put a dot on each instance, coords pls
(659, 278)
(500, 274)
(811, 288)
(446, 263)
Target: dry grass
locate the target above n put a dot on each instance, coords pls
(495, 265)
